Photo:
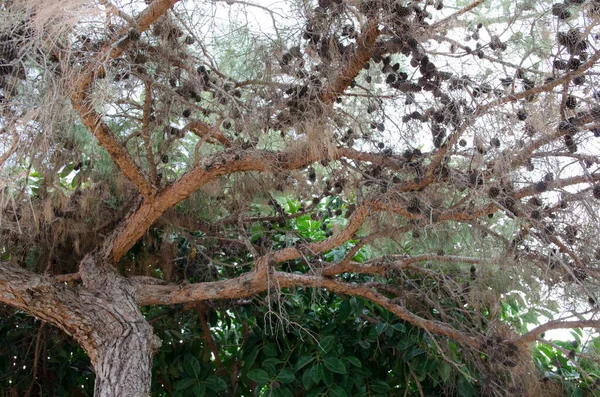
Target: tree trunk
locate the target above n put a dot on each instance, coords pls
(124, 363)
(125, 340)
(102, 315)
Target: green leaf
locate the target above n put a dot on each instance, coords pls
(303, 361)
(337, 391)
(191, 366)
(327, 377)
(327, 343)
(270, 368)
(465, 389)
(271, 350)
(282, 392)
(335, 365)
(357, 305)
(215, 383)
(317, 372)
(184, 383)
(365, 344)
(354, 361)
(399, 327)
(380, 387)
(444, 371)
(250, 357)
(259, 376)
(66, 171)
(199, 390)
(413, 353)
(380, 328)
(286, 376)
(307, 380)
(344, 310)
(272, 361)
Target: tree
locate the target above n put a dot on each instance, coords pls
(156, 156)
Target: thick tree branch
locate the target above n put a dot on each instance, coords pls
(364, 51)
(50, 301)
(83, 103)
(484, 109)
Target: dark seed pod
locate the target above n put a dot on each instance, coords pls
(549, 177)
(565, 126)
(541, 186)
(571, 102)
(535, 202)
(574, 63)
(475, 178)
(187, 113)
(560, 10)
(414, 206)
(560, 64)
(493, 192)
(133, 35)
(570, 143)
(529, 166)
(596, 191)
(495, 142)
(164, 159)
(312, 176)
(549, 229)
(462, 143)
(570, 234)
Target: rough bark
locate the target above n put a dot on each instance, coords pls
(103, 316)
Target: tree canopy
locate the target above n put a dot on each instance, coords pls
(303, 198)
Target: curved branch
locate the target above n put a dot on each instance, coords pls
(83, 104)
(532, 335)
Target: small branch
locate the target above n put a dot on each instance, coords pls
(112, 9)
(146, 130)
(417, 382)
(36, 359)
(453, 17)
(260, 280)
(67, 278)
(532, 335)
(83, 104)
(484, 109)
(11, 150)
(201, 312)
(566, 353)
(204, 131)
